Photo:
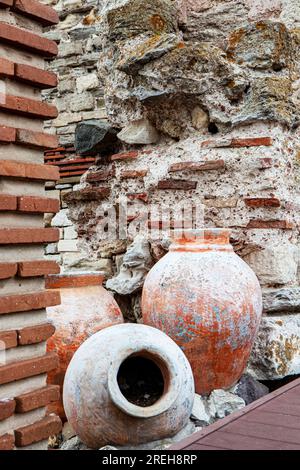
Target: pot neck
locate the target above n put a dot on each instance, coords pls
(58, 281)
(201, 240)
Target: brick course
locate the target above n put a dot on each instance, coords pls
(28, 368)
(36, 10)
(33, 171)
(27, 302)
(10, 236)
(38, 431)
(22, 39)
(7, 408)
(38, 398)
(35, 334)
(7, 442)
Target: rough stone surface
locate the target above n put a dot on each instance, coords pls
(201, 412)
(249, 389)
(222, 403)
(139, 132)
(276, 351)
(135, 265)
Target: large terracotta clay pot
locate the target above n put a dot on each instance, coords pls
(128, 384)
(86, 307)
(209, 302)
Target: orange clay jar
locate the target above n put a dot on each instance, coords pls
(209, 302)
(86, 307)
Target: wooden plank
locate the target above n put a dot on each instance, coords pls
(284, 408)
(260, 430)
(232, 441)
(221, 424)
(266, 417)
(197, 446)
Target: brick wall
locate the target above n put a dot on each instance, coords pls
(24, 329)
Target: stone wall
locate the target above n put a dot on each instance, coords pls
(205, 98)
(79, 94)
(24, 329)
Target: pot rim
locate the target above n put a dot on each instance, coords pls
(168, 397)
(202, 239)
(79, 279)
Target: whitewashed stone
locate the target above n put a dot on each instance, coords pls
(67, 245)
(222, 403)
(51, 249)
(82, 102)
(139, 132)
(70, 233)
(61, 219)
(87, 82)
(275, 264)
(78, 262)
(276, 351)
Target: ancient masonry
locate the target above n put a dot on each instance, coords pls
(24, 329)
(204, 96)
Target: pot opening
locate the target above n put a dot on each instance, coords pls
(142, 379)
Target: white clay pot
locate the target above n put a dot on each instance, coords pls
(128, 384)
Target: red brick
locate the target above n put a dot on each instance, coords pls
(35, 334)
(34, 76)
(8, 270)
(100, 176)
(37, 268)
(38, 204)
(125, 156)
(34, 108)
(37, 399)
(7, 134)
(8, 202)
(262, 202)
(7, 68)
(7, 442)
(28, 368)
(273, 224)
(237, 142)
(36, 139)
(44, 14)
(177, 184)
(198, 166)
(139, 196)
(133, 174)
(38, 431)
(9, 338)
(7, 408)
(9, 236)
(252, 142)
(81, 280)
(73, 162)
(21, 39)
(33, 171)
(27, 302)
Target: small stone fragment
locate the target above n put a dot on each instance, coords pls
(139, 132)
(222, 403)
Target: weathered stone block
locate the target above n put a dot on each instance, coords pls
(276, 351)
(274, 264)
(262, 45)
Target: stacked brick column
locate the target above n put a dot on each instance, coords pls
(24, 329)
